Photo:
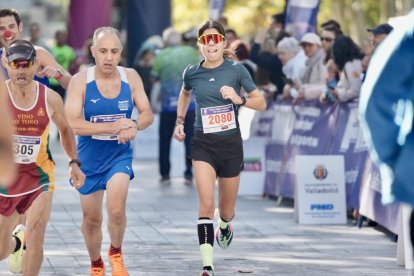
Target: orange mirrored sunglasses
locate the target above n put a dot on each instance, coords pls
(15, 64)
(205, 39)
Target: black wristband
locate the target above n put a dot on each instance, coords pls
(77, 161)
(136, 124)
(243, 101)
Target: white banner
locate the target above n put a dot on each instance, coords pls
(320, 189)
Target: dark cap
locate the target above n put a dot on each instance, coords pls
(21, 49)
(381, 29)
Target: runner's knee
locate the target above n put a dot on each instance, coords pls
(227, 215)
(116, 216)
(91, 223)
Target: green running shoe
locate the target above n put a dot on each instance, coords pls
(15, 259)
(224, 237)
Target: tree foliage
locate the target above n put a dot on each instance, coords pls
(247, 16)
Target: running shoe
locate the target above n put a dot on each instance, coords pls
(207, 272)
(165, 180)
(224, 237)
(188, 180)
(117, 265)
(15, 259)
(98, 271)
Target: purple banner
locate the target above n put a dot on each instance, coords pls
(314, 129)
(308, 135)
(275, 171)
(301, 16)
(84, 17)
(371, 205)
(348, 141)
(262, 123)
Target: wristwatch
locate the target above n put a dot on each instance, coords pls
(60, 74)
(76, 161)
(243, 101)
(136, 124)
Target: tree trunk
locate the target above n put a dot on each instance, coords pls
(359, 20)
(407, 5)
(388, 9)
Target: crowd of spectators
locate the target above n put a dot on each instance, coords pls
(327, 65)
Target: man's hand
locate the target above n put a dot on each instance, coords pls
(77, 176)
(50, 72)
(179, 133)
(127, 135)
(122, 124)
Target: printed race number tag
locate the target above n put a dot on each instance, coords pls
(218, 118)
(26, 149)
(106, 119)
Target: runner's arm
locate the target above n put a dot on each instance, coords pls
(57, 113)
(145, 117)
(7, 166)
(183, 102)
(51, 68)
(74, 111)
(256, 101)
(67, 137)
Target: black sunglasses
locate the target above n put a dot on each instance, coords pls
(327, 39)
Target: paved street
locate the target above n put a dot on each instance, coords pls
(161, 235)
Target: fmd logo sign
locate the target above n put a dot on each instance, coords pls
(321, 207)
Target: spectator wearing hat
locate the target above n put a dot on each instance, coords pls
(312, 82)
(387, 129)
(377, 36)
(315, 70)
(379, 33)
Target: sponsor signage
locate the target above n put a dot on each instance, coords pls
(252, 177)
(320, 189)
(252, 164)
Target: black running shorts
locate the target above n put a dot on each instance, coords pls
(223, 152)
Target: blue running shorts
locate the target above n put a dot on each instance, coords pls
(98, 181)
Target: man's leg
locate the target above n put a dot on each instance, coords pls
(166, 130)
(92, 222)
(189, 133)
(8, 243)
(37, 217)
(117, 191)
